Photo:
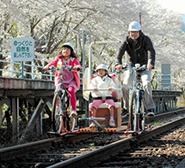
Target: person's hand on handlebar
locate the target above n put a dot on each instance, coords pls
(76, 67)
(149, 67)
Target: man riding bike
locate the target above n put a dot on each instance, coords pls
(140, 50)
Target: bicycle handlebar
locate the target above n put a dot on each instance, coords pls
(136, 67)
(52, 68)
(70, 68)
(139, 68)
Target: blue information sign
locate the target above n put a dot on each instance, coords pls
(22, 49)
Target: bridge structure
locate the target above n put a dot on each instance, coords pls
(26, 97)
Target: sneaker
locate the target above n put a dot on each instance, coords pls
(112, 123)
(150, 113)
(124, 113)
(92, 125)
(73, 114)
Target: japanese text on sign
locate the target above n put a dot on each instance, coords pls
(22, 49)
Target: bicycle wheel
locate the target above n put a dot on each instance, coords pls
(69, 122)
(57, 113)
(133, 118)
(142, 115)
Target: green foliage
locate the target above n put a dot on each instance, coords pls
(5, 107)
(111, 53)
(154, 81)
(83, 115)
(181, 102)
(157, 123)
(17, 67)
(91, 144)
(14, 29)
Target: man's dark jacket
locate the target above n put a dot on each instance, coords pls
(141, 51)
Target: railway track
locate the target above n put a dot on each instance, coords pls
(86, 149)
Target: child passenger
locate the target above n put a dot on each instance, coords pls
(102, 81)
(71, 79)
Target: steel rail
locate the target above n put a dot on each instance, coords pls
(106, 152)
(18, 150)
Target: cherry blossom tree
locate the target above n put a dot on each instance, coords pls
(51, 23)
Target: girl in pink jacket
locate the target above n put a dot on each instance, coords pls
(71, 79)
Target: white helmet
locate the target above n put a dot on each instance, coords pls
(134, 26)
(69, 45)
(102, 66)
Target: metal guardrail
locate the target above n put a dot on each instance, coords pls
(13, 69)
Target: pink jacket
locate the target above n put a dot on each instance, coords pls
(73, 62)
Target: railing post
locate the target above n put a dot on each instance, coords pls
(22, 69)
(83, 46)
(51, 76)
(32, 69)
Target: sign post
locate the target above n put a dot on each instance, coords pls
(22, 50)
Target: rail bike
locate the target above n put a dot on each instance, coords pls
(64, 125)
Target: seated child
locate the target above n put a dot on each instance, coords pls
(102, 81)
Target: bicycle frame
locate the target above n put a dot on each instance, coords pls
(136, 122)
(61, 121)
